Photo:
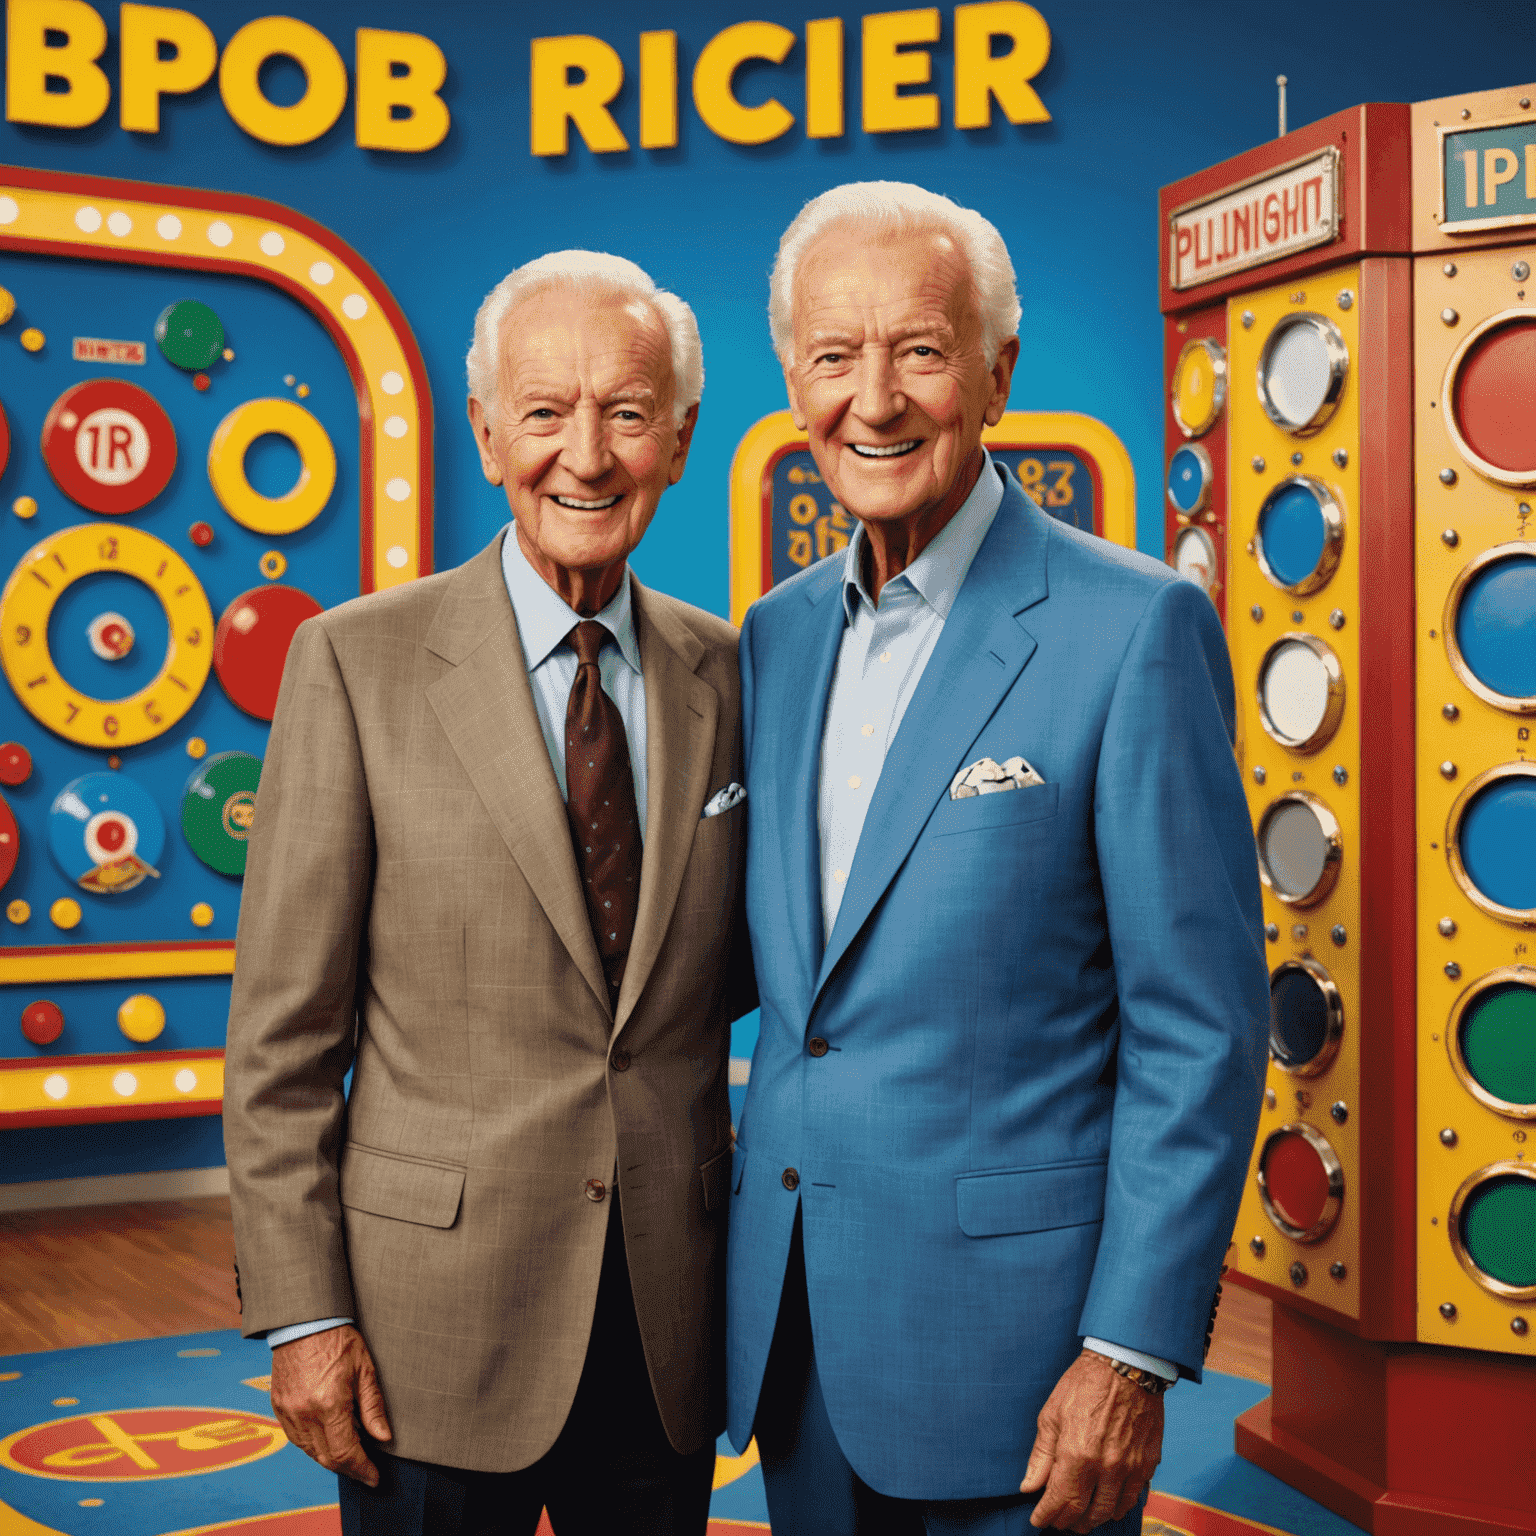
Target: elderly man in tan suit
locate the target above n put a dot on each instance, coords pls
(501, 1254)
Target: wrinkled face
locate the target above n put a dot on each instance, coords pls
(888, 373)
(583, 436)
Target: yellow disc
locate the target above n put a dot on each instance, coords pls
(1199, 385)
(229, 354)
(302, 391)
(273, 564)
(196, 746)
(24, 506)
(7, 305)
(202, 914)
(141, 1017)
(18, 911)
(65, 912)
(226, 466)
(37, 583)
(32, 339)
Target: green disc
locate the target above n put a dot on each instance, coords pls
(190, 335)
(217, 809)
(1498, 1039)
(1498, 1226)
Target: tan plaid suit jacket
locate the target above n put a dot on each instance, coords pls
(412, 910)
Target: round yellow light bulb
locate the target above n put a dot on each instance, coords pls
(24, 506)
(65, 912)
(18, 911)
(202, 914)
(32, 339)
(141, 1017)
(196, 746)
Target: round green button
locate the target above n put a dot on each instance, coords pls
(217, 810)
(1498, 1040)
(1498, 1227)
(189, 335)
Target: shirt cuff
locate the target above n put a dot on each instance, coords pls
(1154, 1363)
(294, 1331)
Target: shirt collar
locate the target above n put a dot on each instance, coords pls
(544, 618)
(939, 571)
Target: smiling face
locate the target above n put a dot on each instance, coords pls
(889, 376)
(583, 434)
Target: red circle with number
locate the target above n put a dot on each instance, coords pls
(109, 446)
(251, 644)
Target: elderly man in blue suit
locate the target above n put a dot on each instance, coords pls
(1005, 918)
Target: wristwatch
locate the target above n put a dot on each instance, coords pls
(1148, 1381)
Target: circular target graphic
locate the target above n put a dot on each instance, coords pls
(218, 809)
(109, 446)
(105, 833)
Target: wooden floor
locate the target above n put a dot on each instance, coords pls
(103, 1273)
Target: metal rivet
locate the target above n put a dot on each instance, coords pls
(1448, 1311)
(1336, 618)
(1450, 712)
(1256, 613)
(1449, 269)
(1339, 934)
(1447, 927)
(1518, 1325)
(1449, 316)
(1520, 271)
(1269, 1098)
(1256, 1246)
(1453, 970)
(1298, 930)
(1297, 616)
(1447, 770)
(1339, 1111)
(1346, 299)
(1258, 464)
(1271, 932)
(1447, 476)
(1259, 775)
(1341, 457)
(1247, 319)
(1448, 1137)
(1466, 112)
(1297, 777)
(1337, 1270)
(1450, 538)
(1296, 457)
(1340, 774)
(1298, 1273)
(1525, 103)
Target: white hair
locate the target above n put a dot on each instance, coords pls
(897, 208)
(590, 273)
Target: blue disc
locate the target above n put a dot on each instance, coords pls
(1188, 481)
(105, 833)
(1498, 842)
(1292, 534)
(1496, 626)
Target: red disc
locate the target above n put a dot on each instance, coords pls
(5, 440)
(251, 644)
(1297, 1181)
(109, 446)
(42, 1022)
(15, 763)
(201, 534)
(1494, 397)
(10, 841)
(200, 381)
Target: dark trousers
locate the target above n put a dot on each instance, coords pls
(611, 1471)
(813, 1491)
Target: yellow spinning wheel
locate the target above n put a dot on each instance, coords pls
(44, 573)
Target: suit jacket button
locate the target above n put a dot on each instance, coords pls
(791, 1180)
(620, 1061)
(596, 1189)
(818, 1047)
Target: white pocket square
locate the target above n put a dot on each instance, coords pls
(728, 798)
(986, 777)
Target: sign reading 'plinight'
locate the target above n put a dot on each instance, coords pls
(1261, 220)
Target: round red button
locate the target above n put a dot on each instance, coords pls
(42, 1022)
(1494, 397)
(1297, 1181)
(15, 763)
(251, 644)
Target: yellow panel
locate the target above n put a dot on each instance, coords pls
(1482, 514)
(1303, 933)
(112, 963)
(125, 1080)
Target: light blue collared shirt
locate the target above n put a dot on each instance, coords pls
(880, 662)
(544, 619)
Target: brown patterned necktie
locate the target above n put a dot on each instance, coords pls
(600, 803)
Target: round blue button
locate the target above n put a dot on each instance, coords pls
(1496, 626)
(1498, 842)
(1189, 480)
(1292, 533)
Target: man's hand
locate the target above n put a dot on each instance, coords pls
(1100, 1440)
(319, 1382)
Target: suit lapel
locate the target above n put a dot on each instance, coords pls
(979, 655)
(485, 706)
(681, 712)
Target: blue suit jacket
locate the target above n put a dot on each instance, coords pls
(1046, 1009)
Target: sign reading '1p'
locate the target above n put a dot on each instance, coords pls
(1489, 176)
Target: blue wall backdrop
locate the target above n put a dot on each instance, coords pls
(1139, 94)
